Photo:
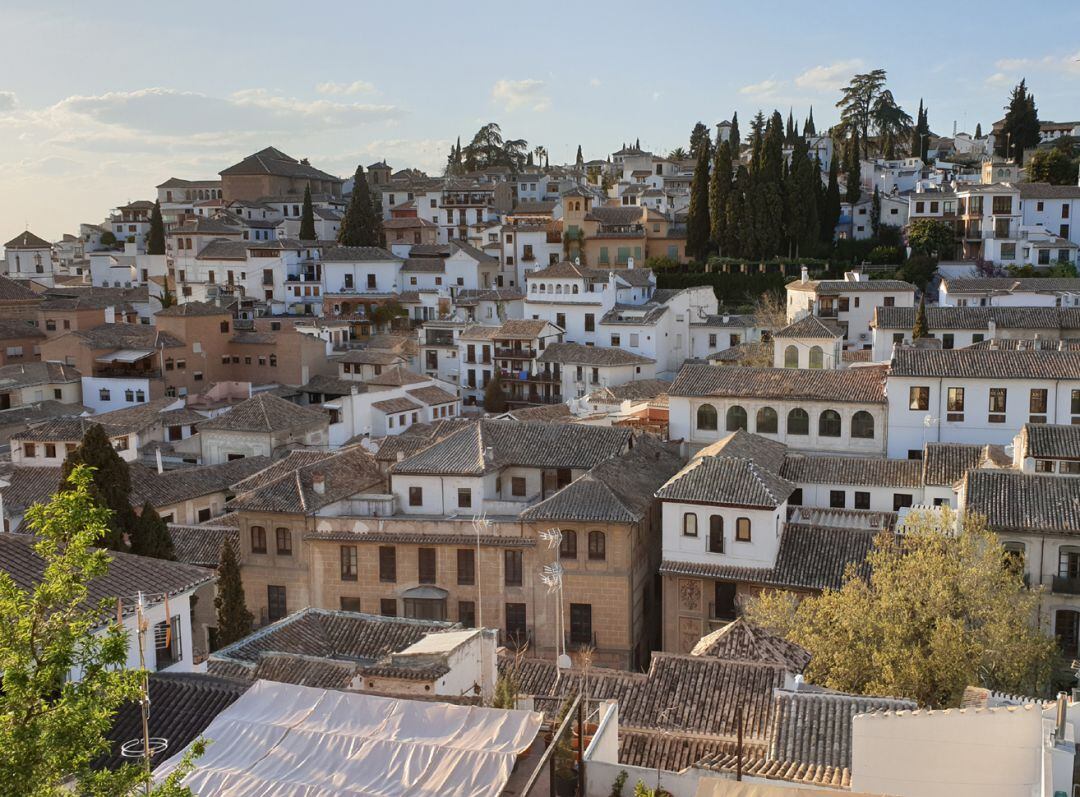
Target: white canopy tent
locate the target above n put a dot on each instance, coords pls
(281, 740)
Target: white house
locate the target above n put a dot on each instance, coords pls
(809, 342)
(582, 369)
(849, 302)
(1010, 292)
(28, 256)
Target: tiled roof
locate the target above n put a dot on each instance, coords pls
(564, 269)
(1012, 284)
(470, 297)
(371, 357)
(397, 376)
(418, 436)
(944, 464)
(1048, 191)
(636, 390)
(21, 375)
(431, 395)
(424, 265)
(861, 385)
(27, 486)
(490, 445)
(325, 384)
(1024, 503)
(201, 545)
(1051, 441)
(12, 291)
(38, 412)
(615, 216)
(985, 363)
(725, 320)
(265, 412)
(287, 464)
(275, 162)
(548, 413)
(521, 328)
(174, 486)
(726, 480)
(27, 240)
(396, 404)
(810, 326)
(16, 329)
(126, 336)
(767, 453)
(945, 318)
(598, 356)
(846, 286)
(868, 471)
(772, 769)
(741, 640)
(189, 309)
(635, 314)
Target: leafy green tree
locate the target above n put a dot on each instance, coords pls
(852, 169)
(1051, 166)
(307, 216)
(699, 138)
(930, 237)
(108, 239)
(857, 104)
(166, 298)
(697, 221)
(942, 608)
(918, 270)
(1020, 129)
(53, 726)
(110, 484)
(920, 330)
(358, 226)
(155, 241)
(738, 232)
(830, 208)
(494, 395)
(151, 535)
(875, 211)
(889, 119)
(720, 182)
(234, 621)
(678, 154)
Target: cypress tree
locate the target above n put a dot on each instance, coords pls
(767, 198)
(719, 190)
(155, 242)
(580, 160)
(831, 207)
(494, 395)
(808, 128)
(111, 486)
(789, 131)
(757, 132)
(803, 186)
(852, 168)
(737, 230)
(736, 142)
(916, 133)
(234, 621)
(920, 329)
(307, 217)
(358, 226)
(1020, 129)
(151, 535)
(978, 130)
(875, 212)
(697, 221)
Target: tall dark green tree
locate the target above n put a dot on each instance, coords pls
(920, 330)
(699, 137)
(358, 227)
(494, 395)
(719, 189)
(830, 209)
(736, 141)
(767, 209)
(875, 212)
(580, 159)
(111, 486)
(1020, 130)
(852, 168)
(155, 241)
(738, 232)
(757, 138)
(920, 134)
(978, 130)
(697, 220)
(808, 127)
(856, 103)
(803, 187)
(307, 217)
(150, 536)
(233, 618)
(789, 131)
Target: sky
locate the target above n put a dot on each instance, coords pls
(101, 102)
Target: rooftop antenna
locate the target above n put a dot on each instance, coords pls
(551, 575)
(481, 526)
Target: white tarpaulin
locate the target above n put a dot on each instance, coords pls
(281, 740)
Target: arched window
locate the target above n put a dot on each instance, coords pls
(817, 357)
(575, 289)
(829, 424)
(689, 524)
(706, 418)
(862, 425)
(791, 356)
(284, 541)
(798, 421)
(716, 534)
(568, 546)
(543, 287)
(558, 288)
(258, 539)
(767, 421)
(597, 545)
(736, 418)
(532, 288)
(742, 529)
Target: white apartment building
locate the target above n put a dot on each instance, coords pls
(579, 370)
(712, 333)
(849, 303)
(29, 257)
(1010, 292)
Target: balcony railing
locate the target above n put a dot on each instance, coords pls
(1066, 585)
(515, 354)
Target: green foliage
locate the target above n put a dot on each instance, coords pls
(1020, 128)
(920, 135)
(307, 216)
(110, 484)
(234, 621)
(875, 212)
(830, 207)
(494, 395)
(803, 189)
(697, 221)
(720, 184)
(930, 237)
(488, 149)
(943, 608)
(155, 242)
(51, 726)
(108, 239)
(1051, 166)
(699, 139)
(730, 289)
(1062, 268)
(857, 103)
(618, 784)
(733, 137)
(852, 169)
(918, 270)
(920, 330)
(884, 256)
(167, 297)
(384, 314)
(678, 154)
(662, 263)
(359, 227)
(150, 536)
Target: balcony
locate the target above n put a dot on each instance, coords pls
(1064, 585)
(826, 312)
(515, 354)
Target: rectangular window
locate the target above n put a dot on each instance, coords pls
(350, 604)
(466, 566)
(276, 606)
(467, 613)
(425, 563)
(516, 629)
(590, 322)
(998, 400)
(387, 564)
(283, 538)
(258, 539)
(30, 450)
(948, 340)
(349, 570)
(862, 499)
(416, 496)
(955, 404)
(388, 607)
(1037, 406)
(742, 529)
(464, 497)
(517, 486)
(513, 565)
(919, 398)
(901, 500)
(837, 499)
(581, 624)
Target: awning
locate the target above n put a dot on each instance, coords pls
(126, 356)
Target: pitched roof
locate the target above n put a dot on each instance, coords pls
(356, 254)
(431, 395)
(862, 385)
(398, 376)
(126, 336)
(1051, 441)
(728, 480)
(1024, 503)
(630, 391)
(22, 375)
(1012, 284)
(27, 240)
(810, 326)
(371, 357)
(563, 269)
(17, 329)
(189, 309)
(14, 291)
(863, 471)
(985, 363)
(1048, 191)
(767, 453)
(418, 436)
(275, 162)
(598, 356)
(265, 412)
(396, 404)
(174, 486)
(741, 640)
(850, 286)
(27, 486)
(945, 318)
(201, 545)
(944, 464)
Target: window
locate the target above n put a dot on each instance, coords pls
(948, 340)
(416, 496)
(387, 564)
(829, 424)
(837, 499)
(590, 322)
(689, 525)
(349, 569)
(466, 566)
(862, 425)
(29, 450)
(104, 394)
(791, 357)
(512, 562)
(167, 647)
(276, 606)
(954, 404)
(716, 534)
(817, 357)
(742, 529)
(581, 624)
(464, 497)
(767, 421)
(516, 630)
(1037, 405)
(425, 564)
(388, 607)
(1074, 403)
(568, 545)
(736, 418)
(597, 545)
(998, 401)
(919, 398)
(467, 613)
(862, 499)
(706, 418)
(560, 320)
(284, 541)
(517, 486)
(888, 301)
(258, 539)
(798, 422)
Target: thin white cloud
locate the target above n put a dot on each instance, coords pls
(1010, 70)
(595, 82)
(514, 94)
(766, 88)
(7, 100)
(828, 77)
(656, 95)
(999, 79)
(356, 87)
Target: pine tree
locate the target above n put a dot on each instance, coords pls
(111, 486)
(358, 227)
(151, 535)
(307, 217)
(494, 395)
(916, 133)
(757, 133)
(875, 212)
(155, 241)
(1020, 130)
(809, 130)
(920, 329)
(852, 168)
(699, 137)
(733, 137)
(978, 130)
(789, 131)
(233, 618)
(830, 216)
(697, 220)
(719, 190)
(580, 159)
(803, 186)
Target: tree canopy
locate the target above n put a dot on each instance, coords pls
(234, 621)
(1052, 166)
(155, 239)
(307, 217)
(494, 395)
(1020, 128)
(930, 237)
(360, 227)
(110, 485)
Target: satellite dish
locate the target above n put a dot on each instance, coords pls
(564, 662)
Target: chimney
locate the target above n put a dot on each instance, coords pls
(318, 482)
(991, 328)
(157, 456)
(629, 262)
(804, 274)
(577, 261)
(489, 454)
(400, 456)
(1061, 717)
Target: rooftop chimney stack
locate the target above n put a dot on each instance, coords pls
(318, 482)
(804, 274)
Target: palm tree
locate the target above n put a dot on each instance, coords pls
(678, 154)
(541, 153)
